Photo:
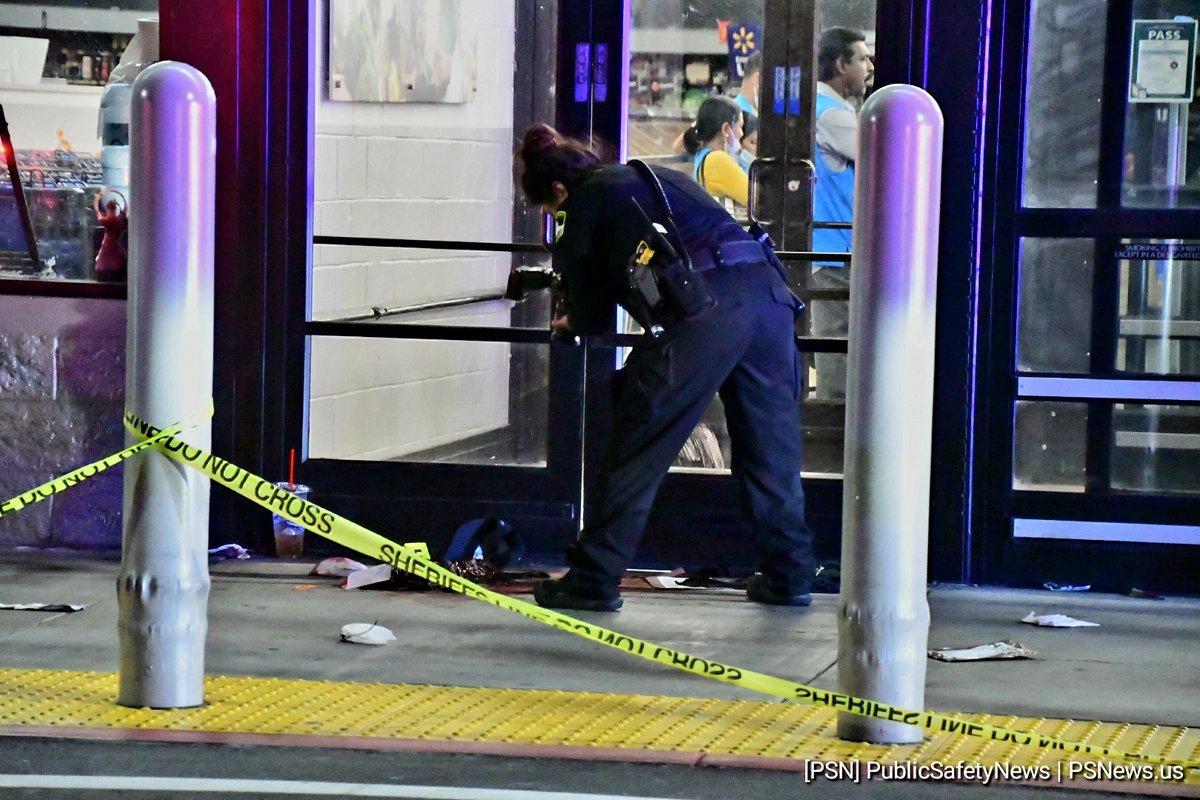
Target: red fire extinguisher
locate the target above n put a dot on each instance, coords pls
(112, 210)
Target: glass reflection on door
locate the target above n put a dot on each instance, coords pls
(679, 57)
(417, 108)
(682, 54)
(1160, 307)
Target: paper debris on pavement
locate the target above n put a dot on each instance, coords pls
(983, 652)
(685, 581)
(65, 608)
(1057, 621)
(366, 633)
(337, 567)
(226, 551)
(365, 577)
(665, 581)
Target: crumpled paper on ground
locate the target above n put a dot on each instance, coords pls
(226, 551)
(666, 582)
(366, 633)
(337, 567)
(65, 608)
(1057, 621)
(367, 576)
(983, 652)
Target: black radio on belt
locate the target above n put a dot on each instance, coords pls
(663, 284)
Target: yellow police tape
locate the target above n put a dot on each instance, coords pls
(51, 488)
(325, 523)
(349, 534)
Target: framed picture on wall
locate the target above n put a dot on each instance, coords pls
(400, 51)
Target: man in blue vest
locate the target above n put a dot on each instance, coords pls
(844, 68)
(748, 95)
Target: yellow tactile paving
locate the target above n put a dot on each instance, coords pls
(86, 700)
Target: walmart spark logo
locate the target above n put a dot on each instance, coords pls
(743, 41)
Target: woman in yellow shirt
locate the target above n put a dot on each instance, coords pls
(713, 141)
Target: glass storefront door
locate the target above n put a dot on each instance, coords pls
(431, 397)
(764, 54)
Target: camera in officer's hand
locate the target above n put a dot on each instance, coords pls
(523, 280)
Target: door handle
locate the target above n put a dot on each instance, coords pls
(756, 168)
(808, 166)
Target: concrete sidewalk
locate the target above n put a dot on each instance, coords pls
(270, 619)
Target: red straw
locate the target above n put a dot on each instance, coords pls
(292, 469)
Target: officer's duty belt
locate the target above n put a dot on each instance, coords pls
(729, 254)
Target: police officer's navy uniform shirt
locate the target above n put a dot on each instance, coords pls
(599, 228)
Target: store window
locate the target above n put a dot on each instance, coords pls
(1153, 447)
(1054, 320)
(1050, 446)
(1064, 82)
(60, 65)
(1159, 307)
(417, 113)
(1064, 85)
(1157, 313)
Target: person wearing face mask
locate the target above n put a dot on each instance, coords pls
(714, 142)
(749, 143)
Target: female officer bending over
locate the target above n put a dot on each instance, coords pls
(744, 348)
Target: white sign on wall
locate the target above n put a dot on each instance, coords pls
(400, 51)
(1162, 65)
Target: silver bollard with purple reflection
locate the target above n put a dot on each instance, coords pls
(163, 584)
(883, 616)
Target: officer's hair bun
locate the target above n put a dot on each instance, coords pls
(539, 139)
(547, 157)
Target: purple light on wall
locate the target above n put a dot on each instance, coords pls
(622, 95)
(985, 56)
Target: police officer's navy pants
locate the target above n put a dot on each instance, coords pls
(745, 350)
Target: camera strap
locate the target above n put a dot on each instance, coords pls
(647, 174)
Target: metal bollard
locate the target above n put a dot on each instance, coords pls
(162, 588)
(883, 615)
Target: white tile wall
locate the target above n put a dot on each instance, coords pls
(382, 399)
(420, 171)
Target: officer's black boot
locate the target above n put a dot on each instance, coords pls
(567, 593)
(760, 590)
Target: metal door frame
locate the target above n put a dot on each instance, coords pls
(409, 500)
(262, 330)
